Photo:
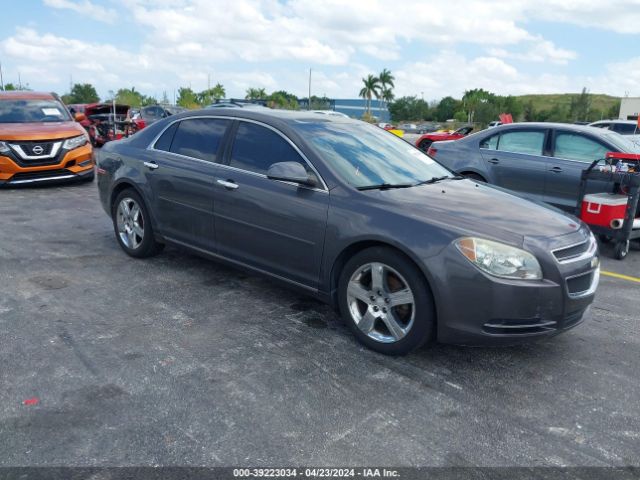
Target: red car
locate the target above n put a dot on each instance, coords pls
(425, 141)
(103, 127)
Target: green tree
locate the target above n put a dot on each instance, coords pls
(129, 96)
(386, 86)
(580, 106)
(529, 112)
(81, 93)
(283, 99)
(472, 99)
(9, 87)
(446, 109)
(410, 108)
(209, 96)
(187, 98)
(255, 94)
(371, 88)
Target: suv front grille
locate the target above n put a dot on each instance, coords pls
(37, 153)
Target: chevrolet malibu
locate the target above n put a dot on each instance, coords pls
(405, 250)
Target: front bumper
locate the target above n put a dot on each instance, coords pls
(76, 164)
(475, 308)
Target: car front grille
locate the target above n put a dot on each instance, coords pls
(37, 153)
(572, 252)
(42, 148)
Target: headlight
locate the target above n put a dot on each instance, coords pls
(499, 259)
(4, 148)
(75, 142)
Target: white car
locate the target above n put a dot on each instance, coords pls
(623, 127)
(494, 124)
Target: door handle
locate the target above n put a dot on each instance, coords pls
(228, 184)
(495, 161)
(151, 165)
(555, 170)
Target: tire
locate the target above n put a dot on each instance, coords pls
(604, 238)
(621, 250)
(424, 145)
(367, 306)
(133, 231)
(474, 176)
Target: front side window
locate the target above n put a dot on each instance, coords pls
(256, 148)
(573, 146)
(528, 143)
(199, 138)
(364, 155)
(33, 111)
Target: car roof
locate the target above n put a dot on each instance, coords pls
(564, 126)
(26, 95)
(268, 115)
(627, 122)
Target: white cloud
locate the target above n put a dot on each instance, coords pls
(85, 7)
(539, 50)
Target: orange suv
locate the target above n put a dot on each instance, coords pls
(40, 142)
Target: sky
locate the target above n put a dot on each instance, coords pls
(433, 48)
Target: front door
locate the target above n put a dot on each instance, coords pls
(271, 225)
(572, 153)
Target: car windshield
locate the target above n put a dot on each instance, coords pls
(32, 111)
(364, 155)
(625, 144)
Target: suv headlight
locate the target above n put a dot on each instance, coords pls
(499, 259)
(74, 142)
(4, 148)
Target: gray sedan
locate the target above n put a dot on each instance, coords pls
(349, 213)
(542, 161)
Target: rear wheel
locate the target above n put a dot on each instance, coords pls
(132, 226)
(621, 250)
(386, 302)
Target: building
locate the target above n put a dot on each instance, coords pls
(356, 107)
(629, 108)
(352, 107)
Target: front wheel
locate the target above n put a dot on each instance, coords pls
(386, 302)
(621, 250)
(132, 226)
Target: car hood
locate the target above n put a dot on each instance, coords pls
(477, 209)
(39, 131)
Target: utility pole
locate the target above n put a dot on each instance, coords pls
(309, 105)
(19, 82)
(1, 79)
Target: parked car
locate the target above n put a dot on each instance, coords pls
(40, 141)
(494, 124)
(623, 127)
(407, 251)
(542, 161)
(425, 141)
(330, 112)
(105, 122)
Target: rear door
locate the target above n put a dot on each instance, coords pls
(268, 224)
(572, 153)
(515, 160)
(181, 176)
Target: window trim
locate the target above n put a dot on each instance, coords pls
(227, 144)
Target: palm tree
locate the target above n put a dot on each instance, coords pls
(371, 88)
(386, 81)
(218, 91)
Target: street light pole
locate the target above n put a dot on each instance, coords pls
(309, 105)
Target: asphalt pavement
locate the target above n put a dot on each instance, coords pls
(106, 360)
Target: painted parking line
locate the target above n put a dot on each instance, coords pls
(620, 276)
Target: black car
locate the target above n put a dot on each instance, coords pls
(345, 211)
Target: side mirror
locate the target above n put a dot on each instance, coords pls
(79, 117)
(290, 172)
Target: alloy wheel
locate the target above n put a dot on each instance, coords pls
(381, 302)
(130, 223)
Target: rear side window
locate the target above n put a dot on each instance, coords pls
(490, 143)
(199, 138)
(529, 143)
(164, 142)
(626, 129)
(577, 147)
(256, 148)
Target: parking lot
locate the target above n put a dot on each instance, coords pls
(178, 360)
